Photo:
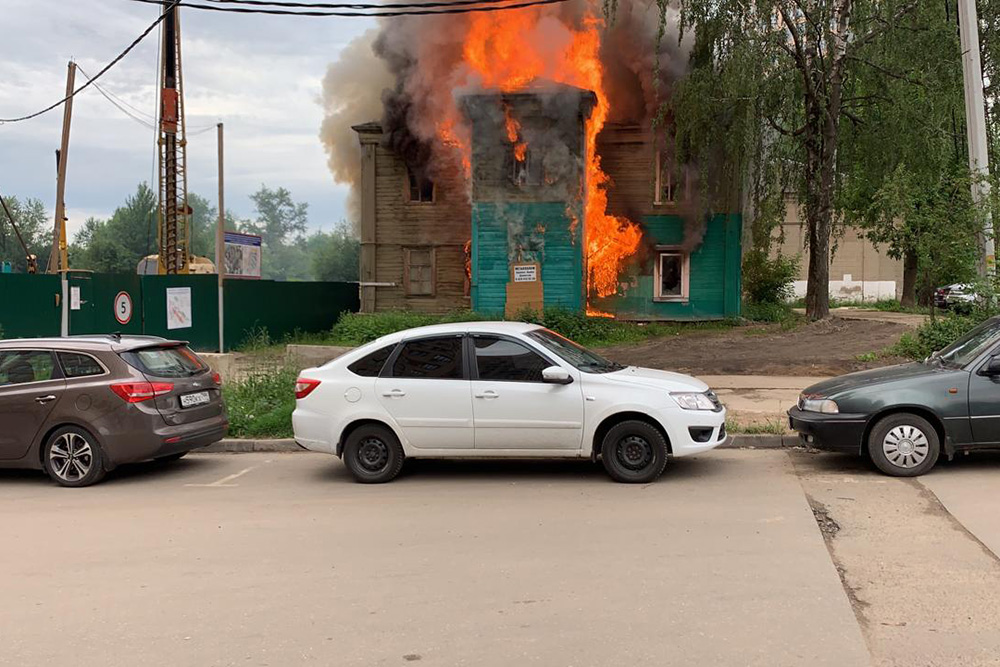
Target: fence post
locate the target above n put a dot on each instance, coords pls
(64, 320)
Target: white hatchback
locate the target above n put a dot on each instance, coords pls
(499, 389)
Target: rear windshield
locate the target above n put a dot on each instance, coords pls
(165, 362)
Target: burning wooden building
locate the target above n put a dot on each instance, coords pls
(524, 194)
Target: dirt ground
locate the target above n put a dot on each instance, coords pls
(829, 347)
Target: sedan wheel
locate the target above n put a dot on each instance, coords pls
(73, 458)
(373, 454)
(904, 445)
(634, 452)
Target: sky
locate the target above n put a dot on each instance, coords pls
(259, 75)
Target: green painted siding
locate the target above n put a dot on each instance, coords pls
(503, 233)
(714, 288)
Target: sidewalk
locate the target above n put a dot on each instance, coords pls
(758, 401)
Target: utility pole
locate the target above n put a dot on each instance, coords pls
(220, 246)
(173, 230)
(58, 258)
(975, 123)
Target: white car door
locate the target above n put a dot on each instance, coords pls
(427, 392)
(513, 408)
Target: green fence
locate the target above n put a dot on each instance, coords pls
(30, 305)
(180, 307)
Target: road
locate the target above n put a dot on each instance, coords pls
(278, 559)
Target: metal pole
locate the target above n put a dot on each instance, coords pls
(975, 123)
(220, 246)
(58, 256)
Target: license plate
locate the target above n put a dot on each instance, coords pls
(197, 398)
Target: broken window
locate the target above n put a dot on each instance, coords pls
(671, 277)
(524, 167)
(419, 187)
(667, 181)
(418, 271)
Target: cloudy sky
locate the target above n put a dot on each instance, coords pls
(260, 75)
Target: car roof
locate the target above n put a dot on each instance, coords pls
(92, 342)
(461, 327)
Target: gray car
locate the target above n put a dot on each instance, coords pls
(79, 406)
(904, 417)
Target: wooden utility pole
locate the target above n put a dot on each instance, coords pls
(220, 245)
(58, 258)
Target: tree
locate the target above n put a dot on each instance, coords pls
(777, 78)
(281, 224)
(335, 255)
(116, 245)
(34, 224)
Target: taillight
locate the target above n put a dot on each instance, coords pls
(217, 379)
(304, 387)
(137, 392)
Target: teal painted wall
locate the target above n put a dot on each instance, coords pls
(528, 232)
(714, 288)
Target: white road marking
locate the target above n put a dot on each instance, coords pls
(227, 478)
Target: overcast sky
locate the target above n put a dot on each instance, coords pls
(260, 75)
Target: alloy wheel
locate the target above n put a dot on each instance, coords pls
(71, 457)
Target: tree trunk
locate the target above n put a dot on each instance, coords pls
(908, 297)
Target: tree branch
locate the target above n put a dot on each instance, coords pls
(887, 72)
(777, 126)
(874, 32)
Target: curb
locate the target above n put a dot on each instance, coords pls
(243, 446)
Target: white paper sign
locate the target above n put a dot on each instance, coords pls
(525, 273)
(74, 298)
(178, 307)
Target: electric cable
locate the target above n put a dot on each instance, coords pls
(368, 14)
(356, 5)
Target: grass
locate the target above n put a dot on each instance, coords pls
(775, 426)
(883, 305)
(261, 403)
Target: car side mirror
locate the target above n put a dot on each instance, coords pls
(556, 375)
(992, 367)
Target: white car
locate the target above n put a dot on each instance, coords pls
(499, 389)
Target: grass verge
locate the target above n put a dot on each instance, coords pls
(261, 403)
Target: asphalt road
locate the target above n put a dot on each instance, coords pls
(279, 559)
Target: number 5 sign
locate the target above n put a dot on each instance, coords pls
(123, 307)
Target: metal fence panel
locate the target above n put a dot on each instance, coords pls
(30, 305)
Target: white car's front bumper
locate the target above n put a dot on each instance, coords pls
(694, 431)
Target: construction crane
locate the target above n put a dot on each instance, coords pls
(173, 227)
(30, 259)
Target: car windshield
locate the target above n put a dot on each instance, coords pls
(577, 355)
(969, 346)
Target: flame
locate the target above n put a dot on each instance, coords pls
(503, 50)
(513, 127)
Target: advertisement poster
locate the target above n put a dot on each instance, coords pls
(178, 307)
(242, 255)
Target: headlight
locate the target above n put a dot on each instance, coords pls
(824, 405)
(693, 401)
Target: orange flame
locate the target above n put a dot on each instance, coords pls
(500, 50)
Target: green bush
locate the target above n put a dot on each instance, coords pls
(768, 279)
(261, 404)
(937, 334)
(767, 312)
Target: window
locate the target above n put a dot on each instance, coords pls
(430, 358)
(22, 366)
(524, 167)
(76, 365)
(419, 187)
(418, 271)
(505, 360)
(371, 365)
(165, 362)
(671, 275)
(580, 357)
(665, 189)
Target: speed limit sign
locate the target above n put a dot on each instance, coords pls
(123, 307)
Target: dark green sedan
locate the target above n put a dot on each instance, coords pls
(907, 416)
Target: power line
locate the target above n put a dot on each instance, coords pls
(354, 5)
(107, 95)
(117, 98)
(111, 64)
(370, 14)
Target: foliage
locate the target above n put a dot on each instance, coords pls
(261, 404)
(116, 245)
(360, 328)
(937, 334)
(766, 312)
(336, 255)
(33, 223)
(767, 279)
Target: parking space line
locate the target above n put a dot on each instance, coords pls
(227, 478)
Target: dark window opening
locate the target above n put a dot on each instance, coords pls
(430, 358)
(671, 276)
(371, 365)
(79, 365)
(523, 166)
(420, 188)
(504, 360)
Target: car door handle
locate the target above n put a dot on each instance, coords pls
(45, 399)
(489, 393)
(395, 393)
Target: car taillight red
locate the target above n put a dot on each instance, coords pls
(304, 387)
(137, 392)
(217, 379)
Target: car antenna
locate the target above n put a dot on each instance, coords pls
(117, 335)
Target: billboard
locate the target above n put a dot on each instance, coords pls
(242, 256)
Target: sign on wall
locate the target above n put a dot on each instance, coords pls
(525, 273)
(242, 255)
(179, 308)
(123, 308)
